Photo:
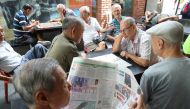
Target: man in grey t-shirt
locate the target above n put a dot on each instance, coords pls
(166, 84)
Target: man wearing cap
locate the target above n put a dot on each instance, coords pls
(166, 84)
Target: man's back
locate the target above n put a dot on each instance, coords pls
(166, 84)
(63, 50)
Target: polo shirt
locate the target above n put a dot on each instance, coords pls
(19, 21)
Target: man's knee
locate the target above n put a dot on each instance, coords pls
(39, 46)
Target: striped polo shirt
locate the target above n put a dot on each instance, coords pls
(19, 21)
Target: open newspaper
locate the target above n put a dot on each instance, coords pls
(101, 85)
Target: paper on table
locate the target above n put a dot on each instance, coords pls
(48, 25)
(113, 59)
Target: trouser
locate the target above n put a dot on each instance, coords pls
(25, 40)
(38, 51)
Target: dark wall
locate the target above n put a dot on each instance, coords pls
(43, 10)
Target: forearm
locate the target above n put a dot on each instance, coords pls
(29, 27)
(103, 30)
(140, 61)
(56, 20)
(117, 44)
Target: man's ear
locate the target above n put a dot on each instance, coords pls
(160, 43)
(41, 97)
(73, 30)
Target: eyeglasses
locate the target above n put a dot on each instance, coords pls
(126, 29)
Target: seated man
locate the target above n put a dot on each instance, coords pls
(63, 47)
(133, 43)
(149, 15)
(115, 23)
(166, 84)
(42, 84)
(92, 31)
(10, 60)
(63, 12)
(23, 28)
(155, 18)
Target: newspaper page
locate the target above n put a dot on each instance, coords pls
(92, 84)
(100, 85)
(126, 88)
(111, 58)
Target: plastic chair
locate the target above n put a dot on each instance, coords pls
(6, 78)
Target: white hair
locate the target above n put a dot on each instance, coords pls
(115, 6)
(84, 8)
(61, 6)
(34, 75)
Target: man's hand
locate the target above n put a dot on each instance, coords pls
(35, 23)
(122, 54)
(138, 103)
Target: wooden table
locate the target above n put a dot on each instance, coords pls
(47, 31)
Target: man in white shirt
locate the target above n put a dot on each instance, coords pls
(92, 30)
(10, 60)
(133, 43)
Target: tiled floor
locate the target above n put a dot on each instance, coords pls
(4, 105)
(15, 100)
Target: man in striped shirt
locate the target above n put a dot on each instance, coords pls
(23, 27)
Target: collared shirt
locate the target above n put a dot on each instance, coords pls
(90, 30)
(116, 24)
(141, 45)
(19, 21)
(9, 59)
(63, 50)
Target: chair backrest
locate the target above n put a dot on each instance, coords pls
(5, 76)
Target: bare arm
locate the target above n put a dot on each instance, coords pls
(139, 60)
(29, 27)
(168, 18)
(117, 43)
(4, 77)
(148, 16)
(56, 20)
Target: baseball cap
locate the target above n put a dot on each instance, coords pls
(170, 31)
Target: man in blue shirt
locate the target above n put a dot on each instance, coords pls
(22, 27)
